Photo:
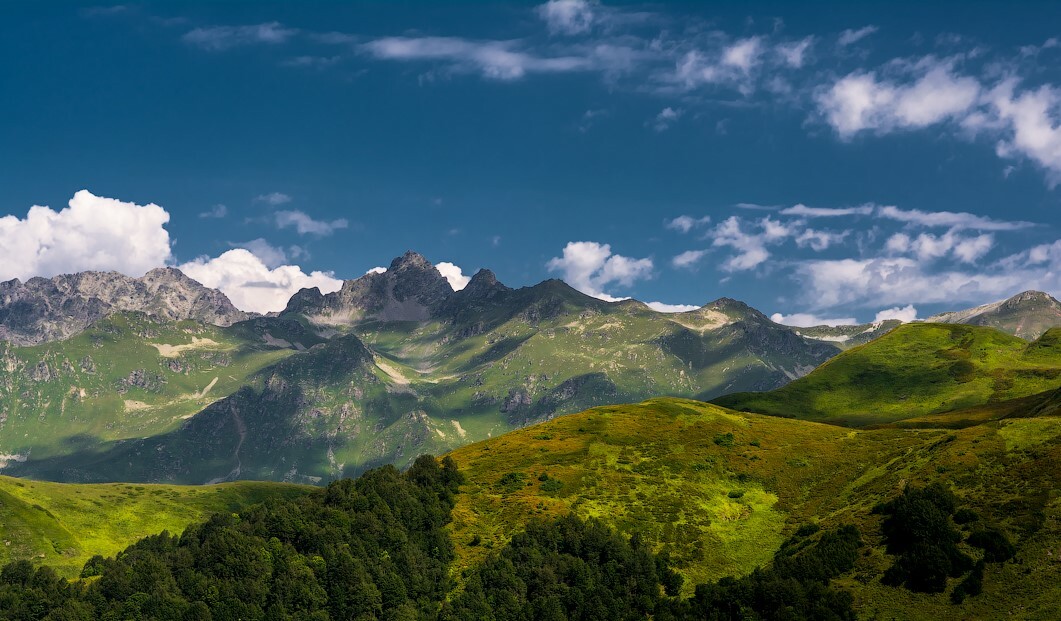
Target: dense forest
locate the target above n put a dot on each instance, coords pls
(377, 548)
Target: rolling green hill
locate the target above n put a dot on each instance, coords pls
(913, 371)
(62, 525)
(720, 490)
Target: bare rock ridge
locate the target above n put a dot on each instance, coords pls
(1027, 315)
(46, 309)
(410, 290)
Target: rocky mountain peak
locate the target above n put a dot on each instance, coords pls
(484, 282)
(410, 261)
(411, 289)
(47, 309)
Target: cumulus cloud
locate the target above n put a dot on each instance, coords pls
(819, 240)
(666, 117)
(221, 38)
(453, 274)
(808, 320)
(251, 284)
(91, 233)
(903, 280)
(688, 259)
(273, 198)
(217, 211)
(862, 101)
(851, 36)
(1031, 123)
(568, 17)
(377, 270)
(905, 314)
(591, 266)
(663, 307)
(750, 243)
(272, 256)
(305, 225)
(686, 223)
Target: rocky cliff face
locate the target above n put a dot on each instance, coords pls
(410, 290)
(47, 309)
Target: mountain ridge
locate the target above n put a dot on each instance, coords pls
(48, 309)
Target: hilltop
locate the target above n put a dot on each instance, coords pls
(718, 491)
(915, 370)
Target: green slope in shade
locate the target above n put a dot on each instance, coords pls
(915, 370)
(63, 524)
(127, 376)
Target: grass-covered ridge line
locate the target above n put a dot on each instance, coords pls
(914, 371)
(63, 524)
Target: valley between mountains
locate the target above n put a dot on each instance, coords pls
(724, 442)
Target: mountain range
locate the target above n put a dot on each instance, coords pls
(161, 379)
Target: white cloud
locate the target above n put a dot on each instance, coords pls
(1033, 125)
(800, 209)
(743, 54)
(251, 285)
(271, 255)
(927, 246)
(590, 267)
(902, 280)
(686, 223)
(220, 38)
(377, 270)
(663, 307)
(861, 101)
(452, 273)
(750, 247)
(666, 117)
(217, 211)
(304, 224)
(953, 219)
(850, 36)
(905, 314)
(820, 240)
(688, 258)
(807, 320)
(499, 60)
(92, 233)
(793, 54)
(273, 198)
(567, 17)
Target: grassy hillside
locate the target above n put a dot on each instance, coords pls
(720, 490)
(63, 525)
(915, 370)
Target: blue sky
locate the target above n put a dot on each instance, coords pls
(828, 161)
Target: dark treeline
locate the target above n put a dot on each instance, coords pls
(376, 549)
(371, 548)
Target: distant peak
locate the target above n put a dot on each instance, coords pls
(1032, 296)
(410, 260)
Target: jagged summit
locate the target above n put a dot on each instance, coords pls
(411, 289)
(47, 309)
